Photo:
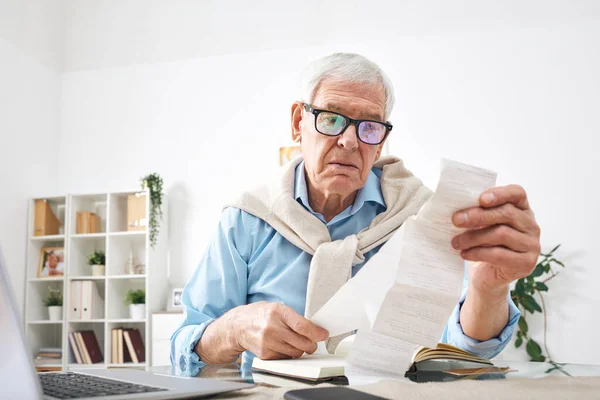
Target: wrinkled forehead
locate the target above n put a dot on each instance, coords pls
(359, 100)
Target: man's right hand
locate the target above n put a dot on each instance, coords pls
(269, 330)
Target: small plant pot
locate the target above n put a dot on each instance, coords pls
(98, 270)
(55, 313)
(137, 311)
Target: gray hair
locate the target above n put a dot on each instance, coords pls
(345, 67)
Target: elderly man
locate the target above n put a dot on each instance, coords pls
(255, 288)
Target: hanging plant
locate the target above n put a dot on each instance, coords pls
(154, 184)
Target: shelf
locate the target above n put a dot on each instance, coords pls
(87, 278)
(118, 243)
(133, 365)
(128, 276)
(87, 321)
(48, 237)
(49, 279)
(88, 235)
(44, 322)
(128, 233)
(82, 366)
(126, 320)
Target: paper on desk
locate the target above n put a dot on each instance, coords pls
(408, 290)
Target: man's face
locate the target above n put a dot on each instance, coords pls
(341, 164)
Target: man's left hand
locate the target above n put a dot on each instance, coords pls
(503, 238)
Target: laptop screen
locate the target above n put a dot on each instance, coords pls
(17, 375)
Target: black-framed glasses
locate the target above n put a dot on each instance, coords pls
(333, 124)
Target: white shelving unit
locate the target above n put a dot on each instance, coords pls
(116, 242)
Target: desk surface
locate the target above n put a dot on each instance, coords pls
(269, 386)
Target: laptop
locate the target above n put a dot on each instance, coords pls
(18, 379)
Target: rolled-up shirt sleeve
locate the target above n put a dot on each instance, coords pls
(218, 284)
(454, 334)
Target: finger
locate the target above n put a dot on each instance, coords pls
(496, 235)
(513, 194)
(301, 325)
(506, 214)
(298, 341)
(280, 347)
(502, 256)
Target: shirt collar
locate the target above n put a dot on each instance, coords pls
(370, 192)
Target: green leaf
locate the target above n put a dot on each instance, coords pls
(520, 287)
(554, 249)
(518, 342)
(558, 262)
(519, 333)
(523, 325)
(530, 304)
(541, 286)
(534, 350)
(539, 270)
(547, 268)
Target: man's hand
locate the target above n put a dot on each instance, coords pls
(503, 238)
(503, 241)
(269, 330)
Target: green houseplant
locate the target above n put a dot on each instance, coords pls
(154, 184)
(54, 302)
(136, 299)
(523, 295)
(98, 261)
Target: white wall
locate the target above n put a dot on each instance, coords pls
(200, 92)
(30, 87)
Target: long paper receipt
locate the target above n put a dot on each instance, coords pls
(405, 294)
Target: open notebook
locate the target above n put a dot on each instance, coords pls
(445, 358)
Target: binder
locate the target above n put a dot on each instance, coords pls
(75, 306)
(91, 304)
(44, 220)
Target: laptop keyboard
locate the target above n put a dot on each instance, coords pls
(74, 386)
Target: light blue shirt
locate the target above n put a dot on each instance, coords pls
(248, 261)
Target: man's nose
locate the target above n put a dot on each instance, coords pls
(348, 139)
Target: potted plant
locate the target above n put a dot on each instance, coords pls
(136, 299)
(97, 260)
(54, 302)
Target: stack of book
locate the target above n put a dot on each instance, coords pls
(48, 356)
(127, 346)
(85, 347)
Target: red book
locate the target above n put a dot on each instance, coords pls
(92, 346)
(135, 345)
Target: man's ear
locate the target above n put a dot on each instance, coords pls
(296, 121)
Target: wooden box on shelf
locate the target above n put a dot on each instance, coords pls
(136, 212)
(88, 222)
(44, 220)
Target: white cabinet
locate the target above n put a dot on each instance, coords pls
(163, 326)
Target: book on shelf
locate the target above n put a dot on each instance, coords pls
(85, 347)
(441, 361)
(48, 356)
(127, 345)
